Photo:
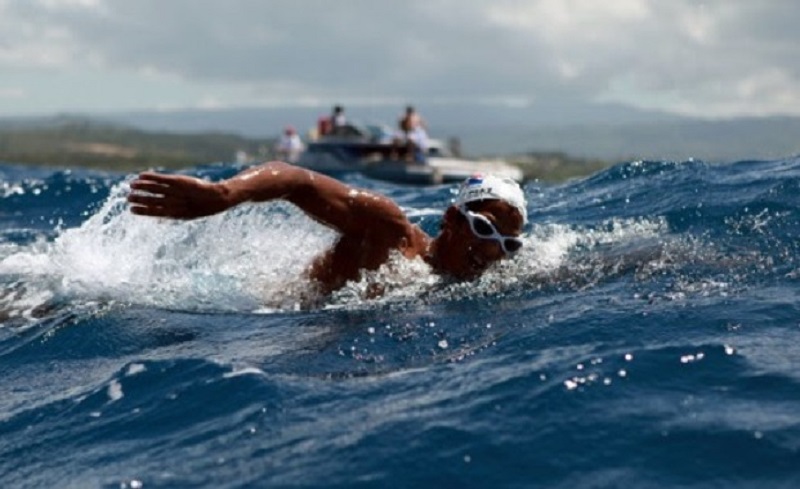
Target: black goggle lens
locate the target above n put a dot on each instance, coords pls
(482, 227)
(512, 245)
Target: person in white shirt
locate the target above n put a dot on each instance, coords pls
(418, 144)
(338, 119)
(414, 136)
(290, 145)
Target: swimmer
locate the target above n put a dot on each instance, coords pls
(481, 227)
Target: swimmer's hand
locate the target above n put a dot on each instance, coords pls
(176, 196)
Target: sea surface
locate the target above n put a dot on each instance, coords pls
(648, 335)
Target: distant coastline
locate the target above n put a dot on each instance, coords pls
(71, 142)
(87, 143)
(555, 166)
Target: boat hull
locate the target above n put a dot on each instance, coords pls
(434, 171)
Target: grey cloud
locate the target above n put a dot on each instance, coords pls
(383, 48)
(439, 48)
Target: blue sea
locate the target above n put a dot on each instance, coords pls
(647, 336)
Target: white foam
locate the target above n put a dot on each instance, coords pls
(115, 391)
(546, 252)
(244, 371)
(251, 258)
(135, 368)
(223, 262)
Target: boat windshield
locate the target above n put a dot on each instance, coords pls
(380, 133)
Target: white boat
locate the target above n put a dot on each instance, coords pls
(368, 149)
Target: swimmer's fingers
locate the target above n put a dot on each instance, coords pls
(151, 200)
(155, 196)
(172, 212)
(159, 184)
(176, 196)
(149, 187)
(162, 179)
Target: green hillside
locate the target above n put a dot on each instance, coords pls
(84, 143)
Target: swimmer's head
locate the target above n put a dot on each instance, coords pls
(489, 187)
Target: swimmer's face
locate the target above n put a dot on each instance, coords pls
(480, 235)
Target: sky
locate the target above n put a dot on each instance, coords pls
(718, 58)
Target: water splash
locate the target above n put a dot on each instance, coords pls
(226, 262)
(248, 259)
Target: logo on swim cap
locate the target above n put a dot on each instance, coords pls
(490, 187)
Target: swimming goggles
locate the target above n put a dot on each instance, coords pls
(484, 229)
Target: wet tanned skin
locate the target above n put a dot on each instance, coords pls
(370, 225)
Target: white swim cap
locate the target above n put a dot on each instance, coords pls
(490, 187)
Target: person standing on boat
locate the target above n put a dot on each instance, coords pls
(481, 227)
(290, 146)
(418, 144)
(338, 119)
(414, 135)
(411, 120)
(329, 125)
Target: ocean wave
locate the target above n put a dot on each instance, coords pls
(645, 335)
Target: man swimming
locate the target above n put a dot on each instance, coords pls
(481, 227)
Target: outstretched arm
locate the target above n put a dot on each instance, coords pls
(329, 201)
